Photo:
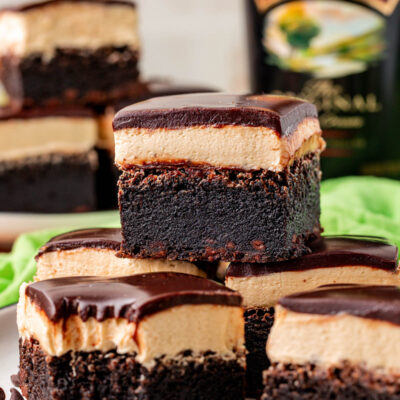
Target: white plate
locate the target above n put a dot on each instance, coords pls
(14, 224)
(8, 347)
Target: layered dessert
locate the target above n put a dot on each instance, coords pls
(334, 260)
(219, 177)
(336, 343)
(92, 252)
(69, 51)
(47, 160)
(152, 336)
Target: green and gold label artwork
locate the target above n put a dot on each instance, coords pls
(325, 39)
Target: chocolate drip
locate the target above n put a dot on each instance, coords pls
(375, 302)
(280, 113)
(102, 238)
(131, 297)
(329, 252)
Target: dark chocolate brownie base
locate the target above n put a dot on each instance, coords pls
(48, 184)
(75, 76)
(192, 213)
(308, 382)
(114, 376)
(258, 323)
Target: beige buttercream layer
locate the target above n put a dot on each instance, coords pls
(21, 138)
(104, 262)
(328, 340)
(266, 290)
(199, 328)
(68, 25)
(229, 146)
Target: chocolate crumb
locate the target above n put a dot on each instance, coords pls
(15, 380)
(15, 395)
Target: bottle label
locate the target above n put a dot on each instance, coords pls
(386, 7)
(325, 39)
(341, 56)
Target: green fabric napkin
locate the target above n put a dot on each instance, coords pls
(19, 266)
(351, 205)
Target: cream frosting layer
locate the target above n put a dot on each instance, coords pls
(71, 25)
(328, 340)
(103, 262)
(198, 328)
(230, 146)
(21, 138)
(266, 290)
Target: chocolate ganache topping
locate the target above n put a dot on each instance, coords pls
(102, 238)
(374, 302)
(280, 113)
(329, 252)
(131, 297)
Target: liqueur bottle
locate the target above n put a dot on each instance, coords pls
(344, 56)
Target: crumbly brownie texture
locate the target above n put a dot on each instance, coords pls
(82, 76)
(113, 376)
(309, 382)
(211, 214)
(258, 323)
(53, 183)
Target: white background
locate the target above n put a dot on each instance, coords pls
(192, 41)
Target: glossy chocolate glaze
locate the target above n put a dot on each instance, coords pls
(329, 252)
(49, 112)
(131, 297)
(31, 5)
(280, 113)
(161, 88)
(102, 238)
(375, 302)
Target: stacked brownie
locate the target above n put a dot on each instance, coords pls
(218, 177)
(340, 342)
(236, 178)
(333, 260)
(59, 61)
(47, 160)
(210, 179)
(148, 336)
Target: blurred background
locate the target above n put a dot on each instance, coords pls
(201, 42)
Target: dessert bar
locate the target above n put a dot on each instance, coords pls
(219, 177)
(334, 260)
(336, 343)
(47, 160)
(152, 336)
(53, 52)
